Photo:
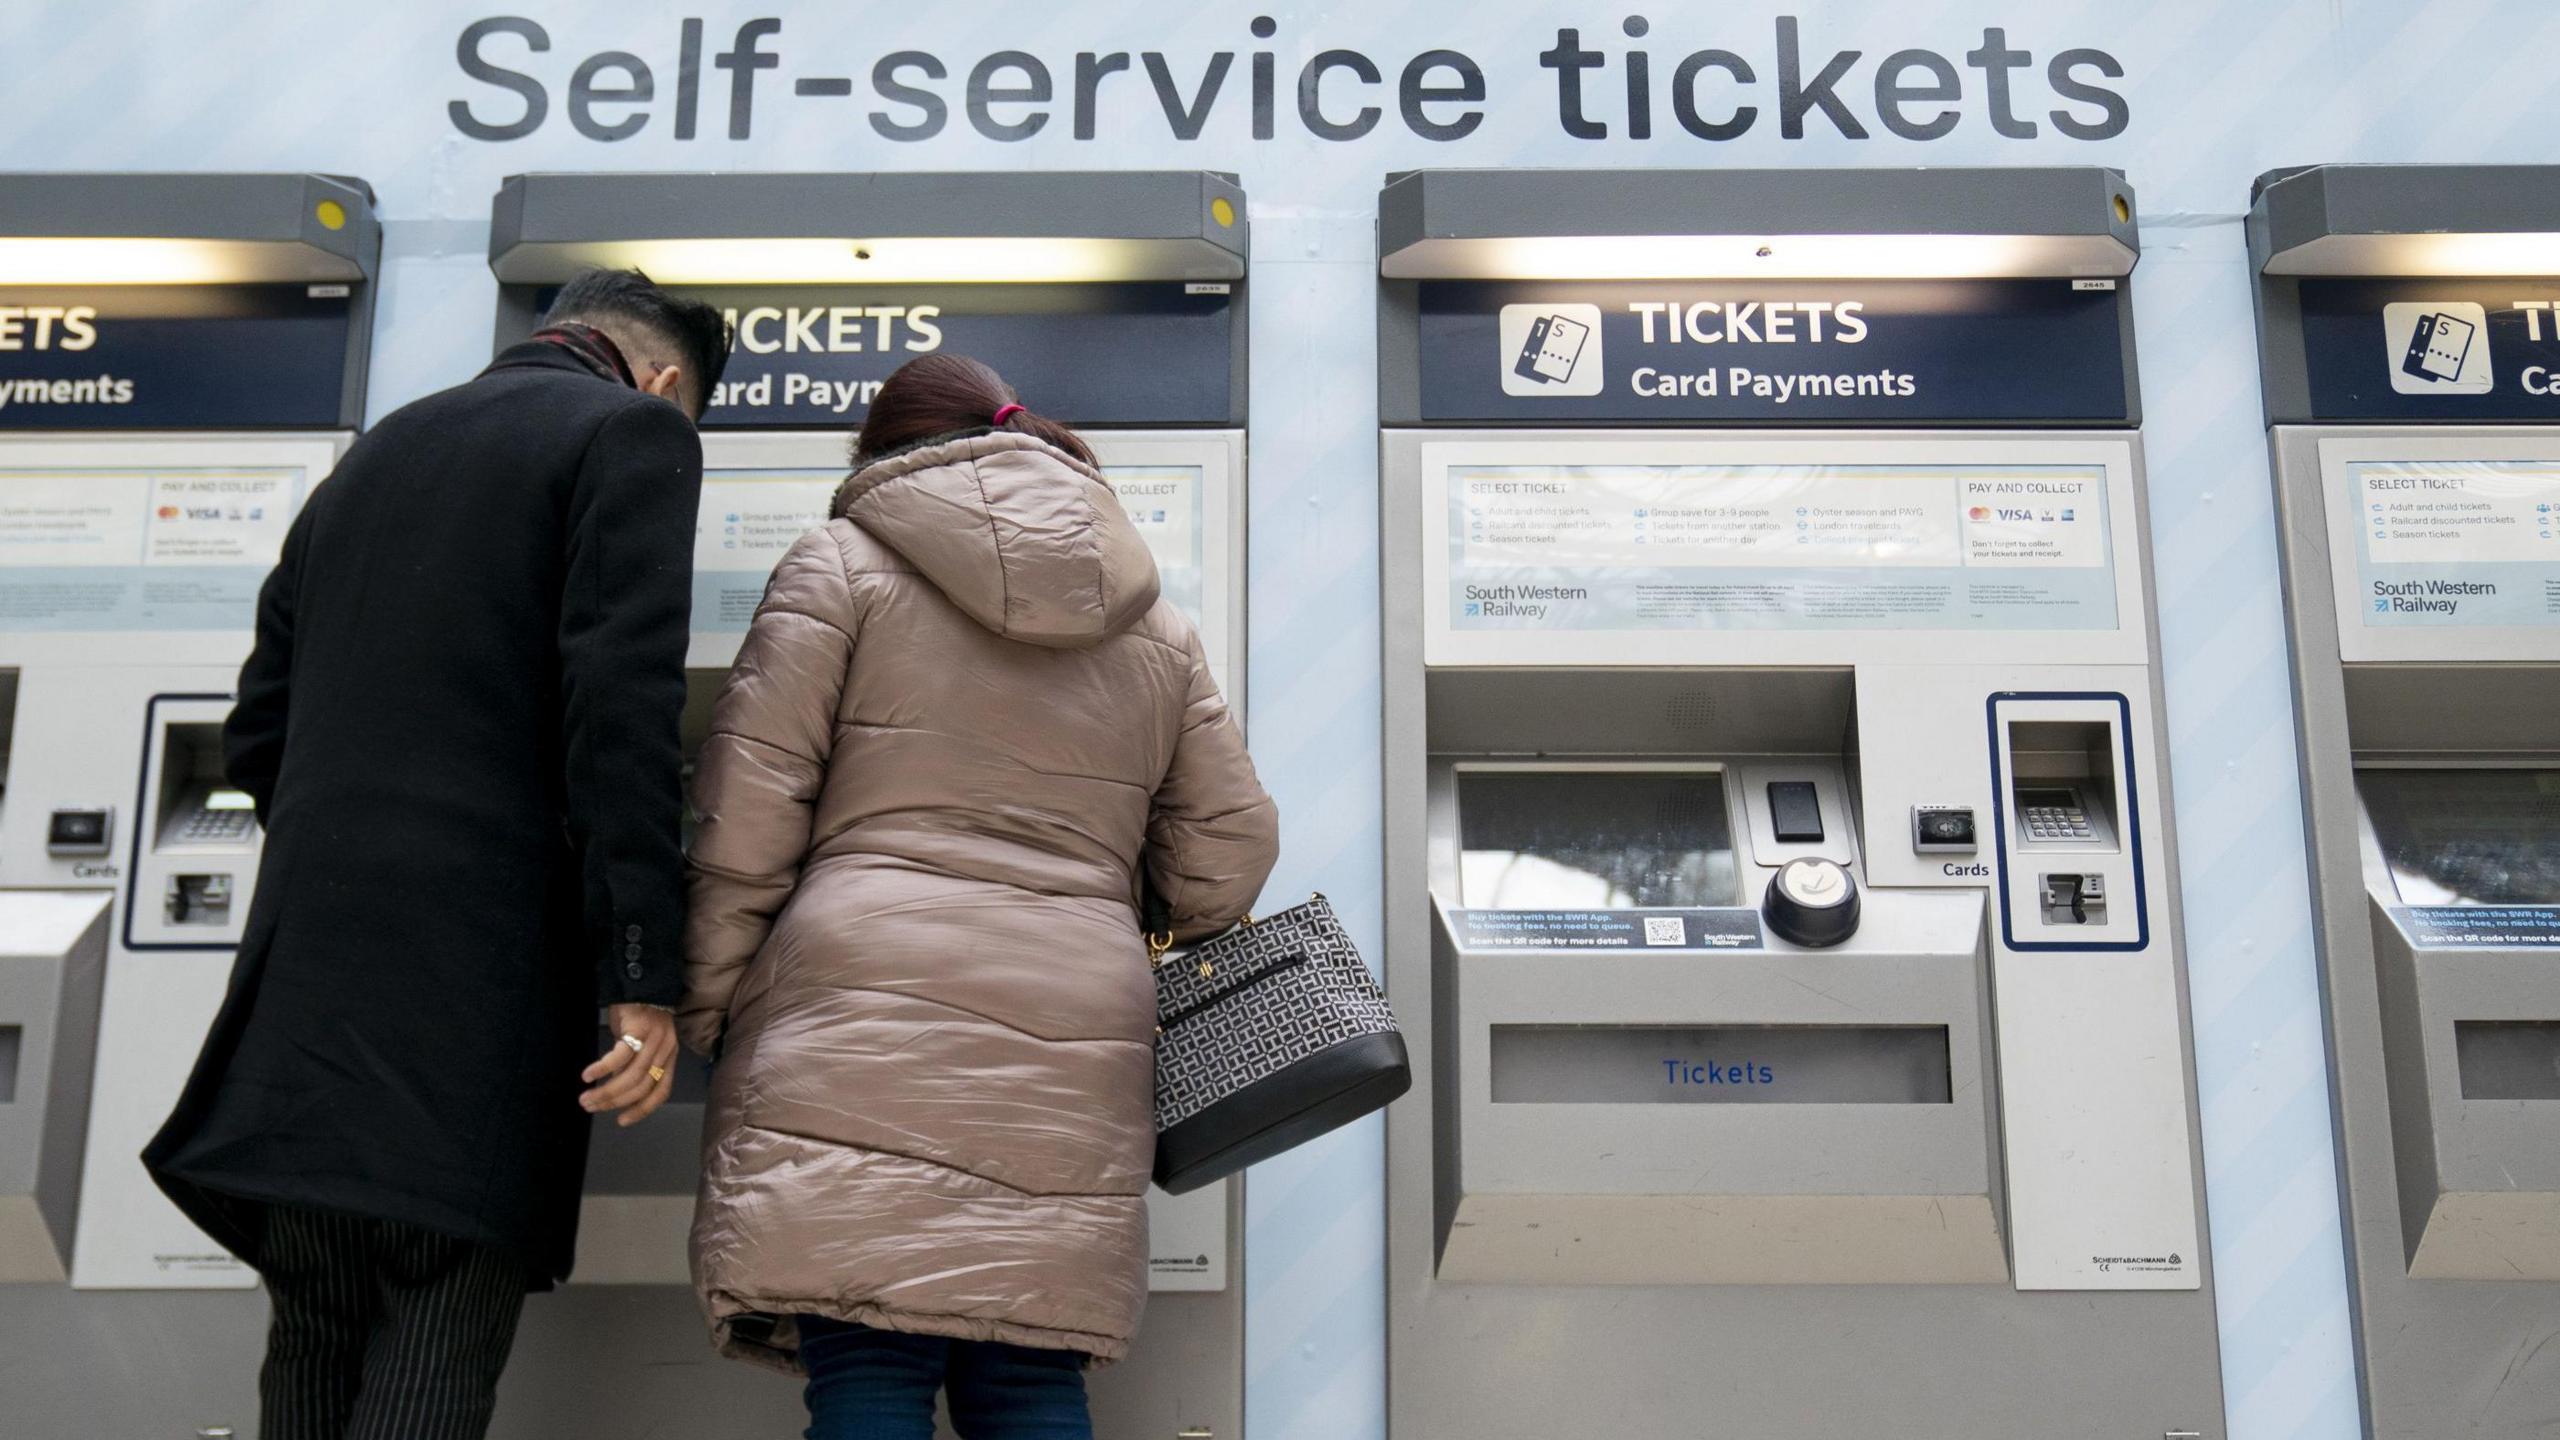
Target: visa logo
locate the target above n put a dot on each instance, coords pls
(204, 512)
(2008, 514)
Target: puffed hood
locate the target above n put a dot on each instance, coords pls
(1027, 540)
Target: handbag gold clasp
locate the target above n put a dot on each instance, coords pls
(1158, 942)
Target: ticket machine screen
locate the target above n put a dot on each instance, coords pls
(2467, 837)
(1595, 839)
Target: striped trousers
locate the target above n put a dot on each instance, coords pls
(381, 1331)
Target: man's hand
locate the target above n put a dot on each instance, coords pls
(633, 1081)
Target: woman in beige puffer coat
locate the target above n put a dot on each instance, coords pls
(960, 726)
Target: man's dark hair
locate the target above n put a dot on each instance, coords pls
(696, 329)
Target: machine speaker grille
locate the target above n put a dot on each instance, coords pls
(1692, 712)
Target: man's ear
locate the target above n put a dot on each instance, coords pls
(664, 383)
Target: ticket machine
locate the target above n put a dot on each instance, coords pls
(182, 357)
(2409, 356)
(1112, 301)
(1779, 870)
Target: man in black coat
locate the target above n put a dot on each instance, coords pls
(460, 728)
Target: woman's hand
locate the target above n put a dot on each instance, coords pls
(638, 1073)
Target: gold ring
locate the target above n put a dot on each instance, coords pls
(657, 1073)
(634, 1042)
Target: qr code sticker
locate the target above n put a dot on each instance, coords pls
(1665, 930)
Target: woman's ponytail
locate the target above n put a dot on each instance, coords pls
(1041, 427)
(942, 395)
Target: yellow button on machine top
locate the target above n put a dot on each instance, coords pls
(331, 214)
(1223, 211)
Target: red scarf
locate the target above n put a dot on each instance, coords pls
(593, 349)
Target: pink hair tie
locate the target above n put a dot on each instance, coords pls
(1007, 412)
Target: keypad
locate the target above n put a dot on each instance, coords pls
(2056, 822)
(216, 827)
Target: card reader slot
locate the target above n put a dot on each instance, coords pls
(1795, 814)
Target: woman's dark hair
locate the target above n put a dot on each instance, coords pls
(945, 396)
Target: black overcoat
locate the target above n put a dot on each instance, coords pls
(460, 728)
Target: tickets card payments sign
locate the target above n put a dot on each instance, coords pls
(1158, 353)
(2432, 349)
(136, 357)
(1796, 352)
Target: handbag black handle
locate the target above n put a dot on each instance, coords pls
(1155, 919)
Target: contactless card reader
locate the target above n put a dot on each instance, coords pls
(1943, 830)
(73, 833)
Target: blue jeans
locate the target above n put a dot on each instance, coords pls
(867, 1384)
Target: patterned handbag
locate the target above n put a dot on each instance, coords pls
(1266, 1037)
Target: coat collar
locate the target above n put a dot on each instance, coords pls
(543, 355)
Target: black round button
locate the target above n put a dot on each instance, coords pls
(634, 971)
(1812, 903)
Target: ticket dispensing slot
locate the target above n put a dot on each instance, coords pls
(196, 851)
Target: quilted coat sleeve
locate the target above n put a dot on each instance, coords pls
(756, 784)
(1212, 834)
